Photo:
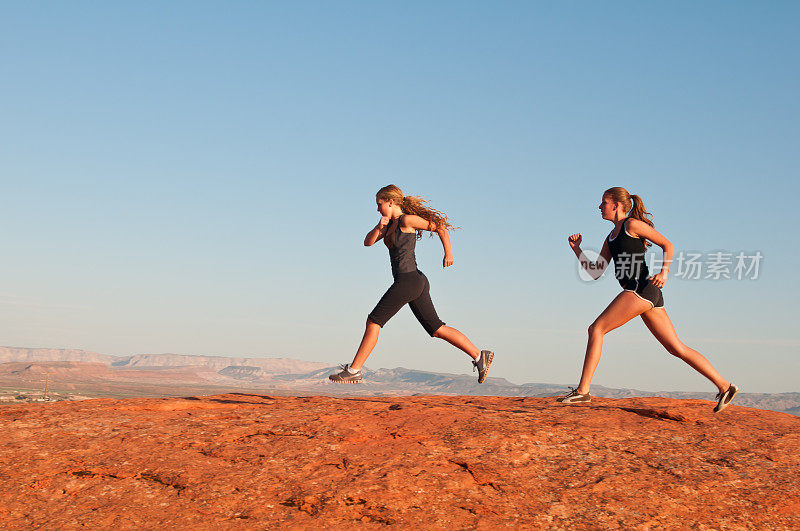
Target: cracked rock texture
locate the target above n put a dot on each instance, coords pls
(245, 461)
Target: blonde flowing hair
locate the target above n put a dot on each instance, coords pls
(417, 206)
(632, 204)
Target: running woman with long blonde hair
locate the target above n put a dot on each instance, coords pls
(641, 294)
(403, 219)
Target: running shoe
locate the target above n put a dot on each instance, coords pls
(345, 376)
(724, 398)
(574, 397)
(483, 363)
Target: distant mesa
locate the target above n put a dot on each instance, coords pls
(242, 372)
(50, 354)
(217, 363)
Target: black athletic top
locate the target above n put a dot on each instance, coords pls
(628, 255)
(401, 249)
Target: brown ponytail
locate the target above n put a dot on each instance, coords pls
(416, 206)
(632, 204)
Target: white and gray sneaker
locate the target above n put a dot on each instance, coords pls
(574, 397)
(724, 398)
(346, 375)
(483, 363)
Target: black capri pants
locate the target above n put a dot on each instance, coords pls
(413, 289)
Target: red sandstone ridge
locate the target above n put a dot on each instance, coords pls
(243, 461)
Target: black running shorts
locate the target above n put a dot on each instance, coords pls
(645, 289)
(413, 289)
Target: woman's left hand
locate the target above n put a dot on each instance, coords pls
(448, 261)
(659, 280)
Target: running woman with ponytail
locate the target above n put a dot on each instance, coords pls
(402, 221)
(641, 294)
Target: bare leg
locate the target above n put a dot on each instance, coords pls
(368, 343)
(458, 340)
(622, 309)
(661, 327)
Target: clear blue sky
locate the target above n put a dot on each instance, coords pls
(197, 177)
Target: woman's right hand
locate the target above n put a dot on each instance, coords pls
(378, 232)
(575, 240)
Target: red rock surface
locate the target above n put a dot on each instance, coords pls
(242, 461)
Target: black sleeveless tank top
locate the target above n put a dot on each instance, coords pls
(628, 255)
(401, 249)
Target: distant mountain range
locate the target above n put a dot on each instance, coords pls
(168, 374)
(267, 365)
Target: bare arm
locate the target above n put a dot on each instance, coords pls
(448, 259)
(595, 269)
(640, 229)
(378, 232)
(418, 223)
